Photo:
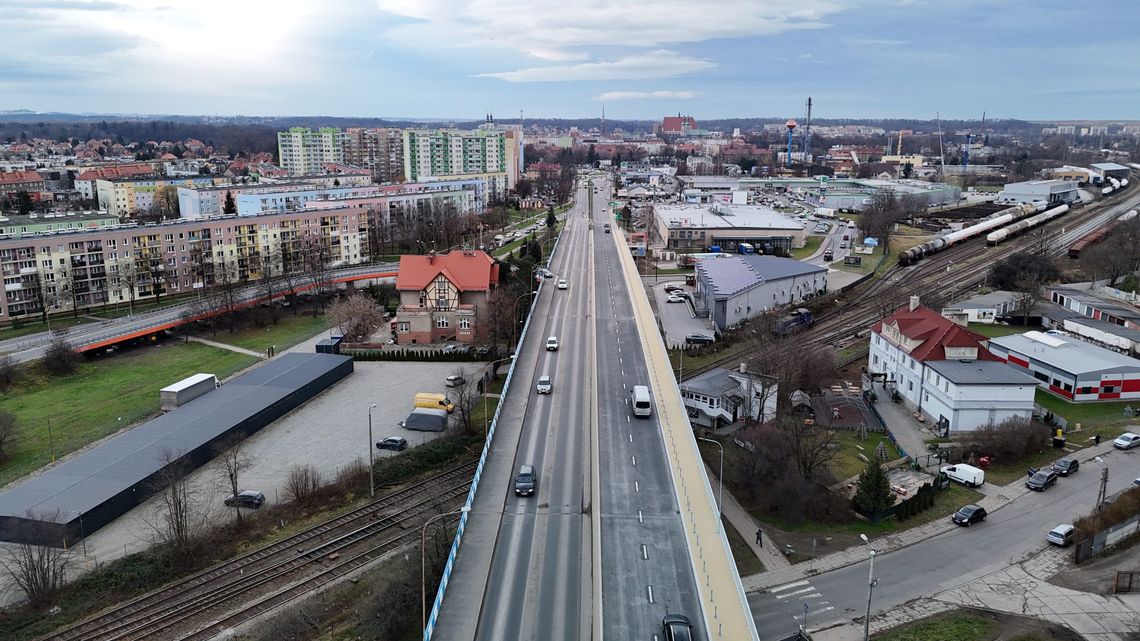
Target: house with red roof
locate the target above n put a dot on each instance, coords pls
(945, 372)
(444, 296)
(14, 182)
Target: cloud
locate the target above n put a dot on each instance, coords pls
(612, 96)
(650, 65)
(874, 42)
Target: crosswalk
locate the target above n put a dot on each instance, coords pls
(812, 604)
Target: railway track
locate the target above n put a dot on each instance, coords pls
(962, 266)
(256, 582)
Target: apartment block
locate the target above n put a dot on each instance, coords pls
(446, 154)
(125, 197)
(381, 151)
(303, 151)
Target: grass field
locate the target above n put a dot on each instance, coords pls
(99, 398)
(994, 331)
(289, 330)
(958, 626)
(37, 327)
(811, 245)
(1088, 414)
(847, 462)
(746, 562)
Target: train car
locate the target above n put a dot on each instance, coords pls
(1096, 235)
(993, 238)
(993, 221)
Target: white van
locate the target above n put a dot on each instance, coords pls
(642, 403)
(967, 475)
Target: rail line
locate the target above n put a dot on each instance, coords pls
(196, 595)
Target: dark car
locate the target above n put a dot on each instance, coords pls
(248, 498)
(970, 515)
(669, 289)
(698, 339)
(1066, 466)
(394, 443)
(676, 627)
(1041, 480)
(527, 481)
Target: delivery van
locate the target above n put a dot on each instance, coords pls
(642, 403)
(967, 475)
(434, 402)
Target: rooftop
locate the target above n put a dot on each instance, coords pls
(986, 301)
(1110, 306)
(725, 216)
(933, 332)
(1066, 354)
(730, 275)
(980, 373)
(468, 270)
(1108, 166)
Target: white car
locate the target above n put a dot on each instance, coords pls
(562, 284)
(544, 385)
(1126, 441)
(673, 298)
(552, 344)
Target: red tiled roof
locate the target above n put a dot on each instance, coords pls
(115, 171)
(469, 271)
(14, 177)
(934, 332)
(673, 123)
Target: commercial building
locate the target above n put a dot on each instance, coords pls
(445, 297)
(126, 196)
(1034, 191)
(903, 349)
(733, 289)
(303, 151)
(380, 150)
(1111, 170)
(1087, 302)
(697, 227)
(448, 154)
(721, 397)
(1072, 369)
(855, 194)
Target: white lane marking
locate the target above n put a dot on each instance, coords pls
(636, 487)
(823, 609)
(640, 518)
(788, 585)
(627, 418)
(634, 458)
(650, 588)
(644, 552)
(631, 438)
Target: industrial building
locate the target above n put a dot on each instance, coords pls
(84, 493)
(1087, 303)
(1070, 368)
(1111, 170)
(697, 227)
(732, 289)
(855, 194)
(1035, 191)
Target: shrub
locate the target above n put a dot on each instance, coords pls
(60, 358)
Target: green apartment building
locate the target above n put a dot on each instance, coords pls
(446, 154)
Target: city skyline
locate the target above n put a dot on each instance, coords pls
(438, 59)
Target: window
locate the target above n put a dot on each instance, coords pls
(402, 327)
(1041, 377)
(442, 322)
(465, 323)
(1085, 390)
(910, 386)
(875, 360)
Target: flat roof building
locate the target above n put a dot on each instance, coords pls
(1070, 368)
(1033, 191)
(1111, 170)
(697, 227)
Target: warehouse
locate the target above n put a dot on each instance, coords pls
(81, 495)
(732, 289)
(1033, 191)
(1111, 170)
(1070, 368)
(697, 227)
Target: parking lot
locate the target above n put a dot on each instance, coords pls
(677, 318)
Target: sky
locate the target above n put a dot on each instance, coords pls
(637, 59)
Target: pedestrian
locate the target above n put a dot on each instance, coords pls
(759, 537)
(1096, 439)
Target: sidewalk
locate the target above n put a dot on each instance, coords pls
(996, 498)
(232, 348)
(740, 519)
(910, 434)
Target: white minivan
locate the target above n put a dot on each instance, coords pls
(967, 475)
(641, 401)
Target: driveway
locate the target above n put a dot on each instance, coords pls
(678, 319)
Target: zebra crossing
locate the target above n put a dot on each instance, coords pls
(813, 608)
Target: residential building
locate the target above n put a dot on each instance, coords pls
(903, 347)
(380, 150)
(445, 297)
(1069, 368)
(32, 224)
(721, 397)
(14, 182)
(303, 151)
(733, 289)
(254, 199)
(1034, 191)
(697, 227)
(126, 196)
(448, 154)
(984, 308)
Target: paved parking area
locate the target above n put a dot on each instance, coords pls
(678, 319)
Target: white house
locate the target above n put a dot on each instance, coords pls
(966, 395)
(984, 308)
(721, 397)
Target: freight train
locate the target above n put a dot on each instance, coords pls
(1020, 226)
(991, 222)
(1095, 235)
(1114, 184)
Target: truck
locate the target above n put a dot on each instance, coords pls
(799, 318)
(746, 248)
(186, 390)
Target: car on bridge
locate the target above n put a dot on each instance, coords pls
(527, 480)
(676, 627)
(544, 385)
(552, 344)
(562, 284)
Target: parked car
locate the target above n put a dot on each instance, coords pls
(552, 344)
(669, 289)
(967, 475)
(1040, 480)
(544, 385)
(674, 298)
(969, 515)
(455, 380)
(249, 498)
(698, 339)
(1066, 466)
(394, 443)
(676, 627)
(1126, 441)
(546, 273)
(1061, 535)
(562, 284)
(527, 481)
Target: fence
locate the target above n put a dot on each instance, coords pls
(437, 603)
(1097, 543)
(1126, 582)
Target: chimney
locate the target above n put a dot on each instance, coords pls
(913, 303)
(431, 261)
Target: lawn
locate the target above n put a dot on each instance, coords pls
(957, 626)
(994, 330)
(57, 322)
(847, 462)
(1087, 414)
(99, 398)
(811, 245)
(289, 330)
(746, 562)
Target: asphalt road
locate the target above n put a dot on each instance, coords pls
(1006, 537)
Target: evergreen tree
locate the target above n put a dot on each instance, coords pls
(229, 207)
(874, 493)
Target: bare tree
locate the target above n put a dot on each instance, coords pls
(66, 286)
(316, 260)
(9, 370)
(152, 273)
(227, 285)
(466, 398)
(128, 280)
(36, 570)
(811, 449)
(357, 316)
(60, 356)
(234, 463)
(8, 426)
(179, 517)
(302, 484)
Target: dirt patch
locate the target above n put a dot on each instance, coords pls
(1097, 576)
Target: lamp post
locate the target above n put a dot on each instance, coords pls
(871, 582)
(486, 420)
(423, 560)
(371, 463)
(720, 476)
(516, 323)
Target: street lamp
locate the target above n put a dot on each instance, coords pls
(720, 476)
(423, 559)
(871, 582)
(515, 325)
(486, 420)
(371, 463)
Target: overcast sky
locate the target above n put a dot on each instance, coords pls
(1031, 59)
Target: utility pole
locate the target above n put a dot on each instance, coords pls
(1103, 493)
